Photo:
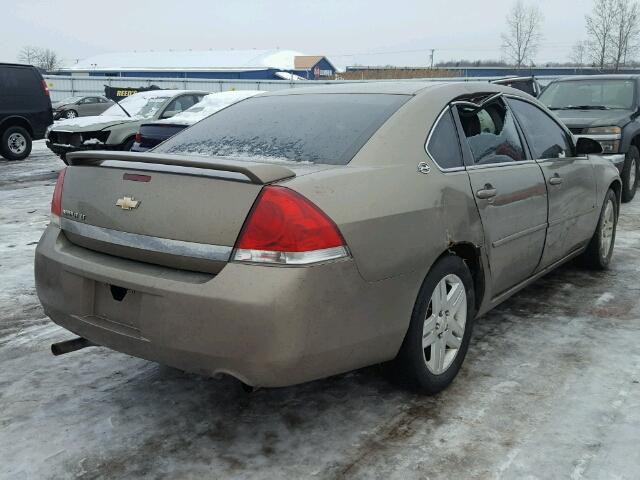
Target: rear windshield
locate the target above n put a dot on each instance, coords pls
(309, 128)
(589, 94)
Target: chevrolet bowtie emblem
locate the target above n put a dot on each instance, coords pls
(128, 203)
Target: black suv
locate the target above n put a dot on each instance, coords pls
(25, 109)
(605, 108)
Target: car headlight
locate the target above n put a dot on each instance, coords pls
(604, 131)
(610, 146)
(46, 132)
(610, 139)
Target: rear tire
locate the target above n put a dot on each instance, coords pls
(15, 143)
(630, 174)
(600, 250)
(438, 337)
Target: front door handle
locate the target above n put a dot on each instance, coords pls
(487, 192)
(556, 180)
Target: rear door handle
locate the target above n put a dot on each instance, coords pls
(556, 180)
(487, 192)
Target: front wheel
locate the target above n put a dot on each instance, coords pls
(440, 329)
(15, 143)
(70, 114)
(630, 174)
(600, 250)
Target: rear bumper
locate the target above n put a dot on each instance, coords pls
(268, 326)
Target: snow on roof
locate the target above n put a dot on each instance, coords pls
(209, 105)
(191, 60)
(288, 76)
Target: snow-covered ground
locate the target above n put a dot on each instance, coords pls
(550, 389)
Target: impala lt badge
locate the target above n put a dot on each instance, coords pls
(128, 203)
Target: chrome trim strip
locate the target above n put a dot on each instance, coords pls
(516, 236)
(501, 164)
(219, 253)
(461, 168)
(599, 137)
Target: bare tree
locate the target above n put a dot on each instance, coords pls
(43, 58)
(29, 54)
(625, 33)
(600, 27)
(48, 60)
(522, 38)
(579, 53)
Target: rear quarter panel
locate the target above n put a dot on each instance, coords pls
(394, 219)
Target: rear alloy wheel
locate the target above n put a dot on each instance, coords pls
(630, 174)
(600, 250)
(438, 337)
(70, 114)
(16, 143)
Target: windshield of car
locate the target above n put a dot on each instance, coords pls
(308, 128)
(590, 95)
(140, 105)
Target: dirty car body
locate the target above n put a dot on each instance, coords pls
(172, 256)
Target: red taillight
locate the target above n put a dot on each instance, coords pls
(56, 201)
(285, 228)
(45, 87)
(138, 138)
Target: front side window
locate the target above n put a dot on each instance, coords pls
(306, 128)
(491, 133)
(180, 104)
(443, 145)
(546, 138)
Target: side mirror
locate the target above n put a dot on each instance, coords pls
(169, 113)
(586, 146)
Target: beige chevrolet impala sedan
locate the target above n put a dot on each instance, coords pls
(304, 233)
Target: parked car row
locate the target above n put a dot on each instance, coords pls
(603, 108)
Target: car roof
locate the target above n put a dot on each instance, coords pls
(3, 64)
(597, 77)
(452, 88)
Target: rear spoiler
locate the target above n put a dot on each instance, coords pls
(259, 173)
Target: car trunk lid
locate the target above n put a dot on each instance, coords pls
(187, 215)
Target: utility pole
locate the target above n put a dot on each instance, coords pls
(433, 51)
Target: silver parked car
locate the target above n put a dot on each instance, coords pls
(303, 233)
(73, 107)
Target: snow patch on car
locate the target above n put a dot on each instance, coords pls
(209, 105)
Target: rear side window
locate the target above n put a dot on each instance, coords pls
(443, 145)
(546, 138)
(19, 81)
(311, 128)
(491, 133)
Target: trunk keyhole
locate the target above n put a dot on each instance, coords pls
(118, 293)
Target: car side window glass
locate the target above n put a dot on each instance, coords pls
(491, 133)
(180, 104)
(546, 138)
(443, 145)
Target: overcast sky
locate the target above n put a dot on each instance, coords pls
(372, 32)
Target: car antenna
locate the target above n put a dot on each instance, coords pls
(118, 103)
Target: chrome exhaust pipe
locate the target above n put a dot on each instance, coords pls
(70, 346)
